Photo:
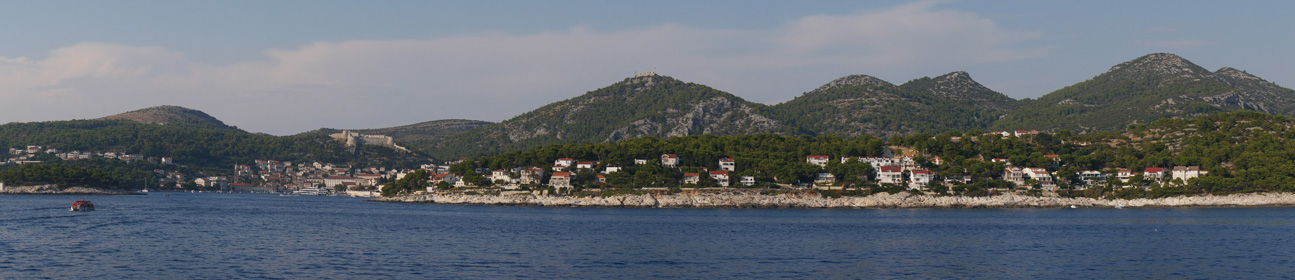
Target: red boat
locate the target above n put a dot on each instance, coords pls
(82, 205)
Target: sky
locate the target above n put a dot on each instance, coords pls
(285, 67)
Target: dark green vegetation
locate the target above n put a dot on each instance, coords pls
(419, 132)
(1146, 89)
(1138, 91)
(1243, 152)
(206, 149)
(97, 173)
(651, 105)
(858, 105)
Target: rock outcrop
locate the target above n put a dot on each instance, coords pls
(56, 189)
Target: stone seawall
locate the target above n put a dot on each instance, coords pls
(901, 200)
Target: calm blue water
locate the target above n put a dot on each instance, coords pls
(219, 236)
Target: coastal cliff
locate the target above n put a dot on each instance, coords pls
(901, 200)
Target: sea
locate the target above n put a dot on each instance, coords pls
(264, 236)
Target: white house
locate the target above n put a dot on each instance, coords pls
(501, 174)
(640, 161)
(908, 163)
(1124, 175)
(878, 162)
(817, 160)
(727, 164)
(1091, 176)
(560, 180)
(921, 178)
(1015, 175)
(1042, 176)
(890, 175)
(670, 160)
(824, 178)
(720, 177)
(1154, 173)
(1187, 172)
(531, 175)
(748, 180)
(611, 169)
(216, 181)
(691, 178)
(564, 162)
(447, 178)
(585, 165)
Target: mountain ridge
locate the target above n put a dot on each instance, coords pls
(1147, 88)
(1150, 87)
(644, 105)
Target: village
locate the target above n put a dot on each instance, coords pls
(569, 176)
(265, 176)
(903, 171)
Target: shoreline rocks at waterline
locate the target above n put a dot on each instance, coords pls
(56, 189)
(900, 200)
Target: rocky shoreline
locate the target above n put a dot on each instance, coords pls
(901, 200)
(55, 189)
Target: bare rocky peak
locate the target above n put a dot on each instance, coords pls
(853, 80)
(957, 82)
(1235, 74)
(1163, 65)
(648, 79)
(167, 114)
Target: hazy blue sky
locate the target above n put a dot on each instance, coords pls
(284, 67)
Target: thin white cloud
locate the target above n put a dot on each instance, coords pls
(495, 76)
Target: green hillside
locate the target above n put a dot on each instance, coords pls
(647, 105)
(1146, 89)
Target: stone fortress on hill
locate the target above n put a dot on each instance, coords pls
(353, 139)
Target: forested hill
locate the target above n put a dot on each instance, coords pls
(169, 114)
(1142, 90)
(1242, 151)
(860, 104)
(419, 132)
(193, 144)
(645, 105)
(1146, 89)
